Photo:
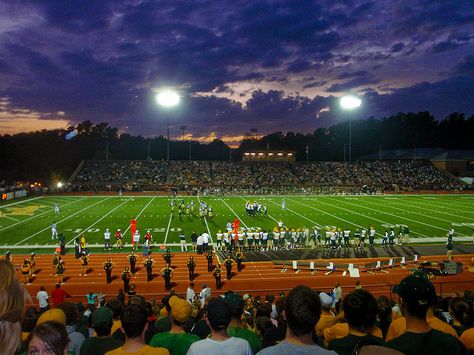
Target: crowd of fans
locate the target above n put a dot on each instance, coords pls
(263, 177)
(302, 322)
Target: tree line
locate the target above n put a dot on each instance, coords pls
(48, 155)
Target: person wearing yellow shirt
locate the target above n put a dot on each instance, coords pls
(134, 325)
(398, 326)
(467, 338)
(417, 296)
(360, 312)
(340, 330)
(327, 317)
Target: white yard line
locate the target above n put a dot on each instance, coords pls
(236, 215)
(409, 219)
(298, 214)
(363, 215)
(20, 202)
(429, 205)
(139, 214)
(205, 221)
(37, 215)
(62, 220)
(168, 228)
(13, 219)
(100, 219)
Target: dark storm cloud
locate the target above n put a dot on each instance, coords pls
(4, 67)
(440, 98)
(466, 66)
(101, 60)
(357, 79)
(75, 16)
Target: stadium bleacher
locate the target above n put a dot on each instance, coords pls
(262, 177)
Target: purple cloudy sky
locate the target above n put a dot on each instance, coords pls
(269, 65)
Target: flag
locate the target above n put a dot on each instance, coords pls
(133, 228)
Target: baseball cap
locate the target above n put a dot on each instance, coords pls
(218, 313)
(55, 314)
(326, 300)
(180, 309)
(416, 290)
(102, 315)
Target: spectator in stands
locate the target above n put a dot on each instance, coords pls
(150, 329)
(48, 338)
(219, 342)
(134, 325)
(275, 335)
(201, 328)
(163, 323)
(42, 297)
(12, 298)
(117, 308)
(204, 294)
(398, 326)
(360, 311)
(417, 295)
(467, 338)
(177, 341)
(75, 337)
(236, 328)
(29, 322)
(59, 295)
(121, 296)
(102, 320)
(302, 312)
(327, 317)
(384, 314)
(459, 311)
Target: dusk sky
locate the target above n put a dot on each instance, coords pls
(238, 65)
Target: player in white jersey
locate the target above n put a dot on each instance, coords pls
(219, 237)
(256, 237)
(136, 239)
(283, 204)
(276, 239)
(56, 208)
(347, 235)
(264, 240)
(54, 231)
(107, 243)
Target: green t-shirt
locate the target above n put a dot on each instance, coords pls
(347, 344)
(176, 343)
(99, 346)
(251, 337)
(163, 324)
(433, 342)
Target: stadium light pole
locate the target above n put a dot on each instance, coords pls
(350, 102)
(168, 99)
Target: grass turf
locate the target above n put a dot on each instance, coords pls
(27, 223)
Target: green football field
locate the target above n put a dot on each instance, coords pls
(26, 224)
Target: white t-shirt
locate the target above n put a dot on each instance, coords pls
(205, 238)
(230, 346)
(190, 295)
(42, 297)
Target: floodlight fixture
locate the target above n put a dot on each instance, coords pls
(168, 98)
(350, 102)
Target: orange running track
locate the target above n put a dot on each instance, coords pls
(257, 278)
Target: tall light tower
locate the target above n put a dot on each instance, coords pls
(350, 102)
(168, 99)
